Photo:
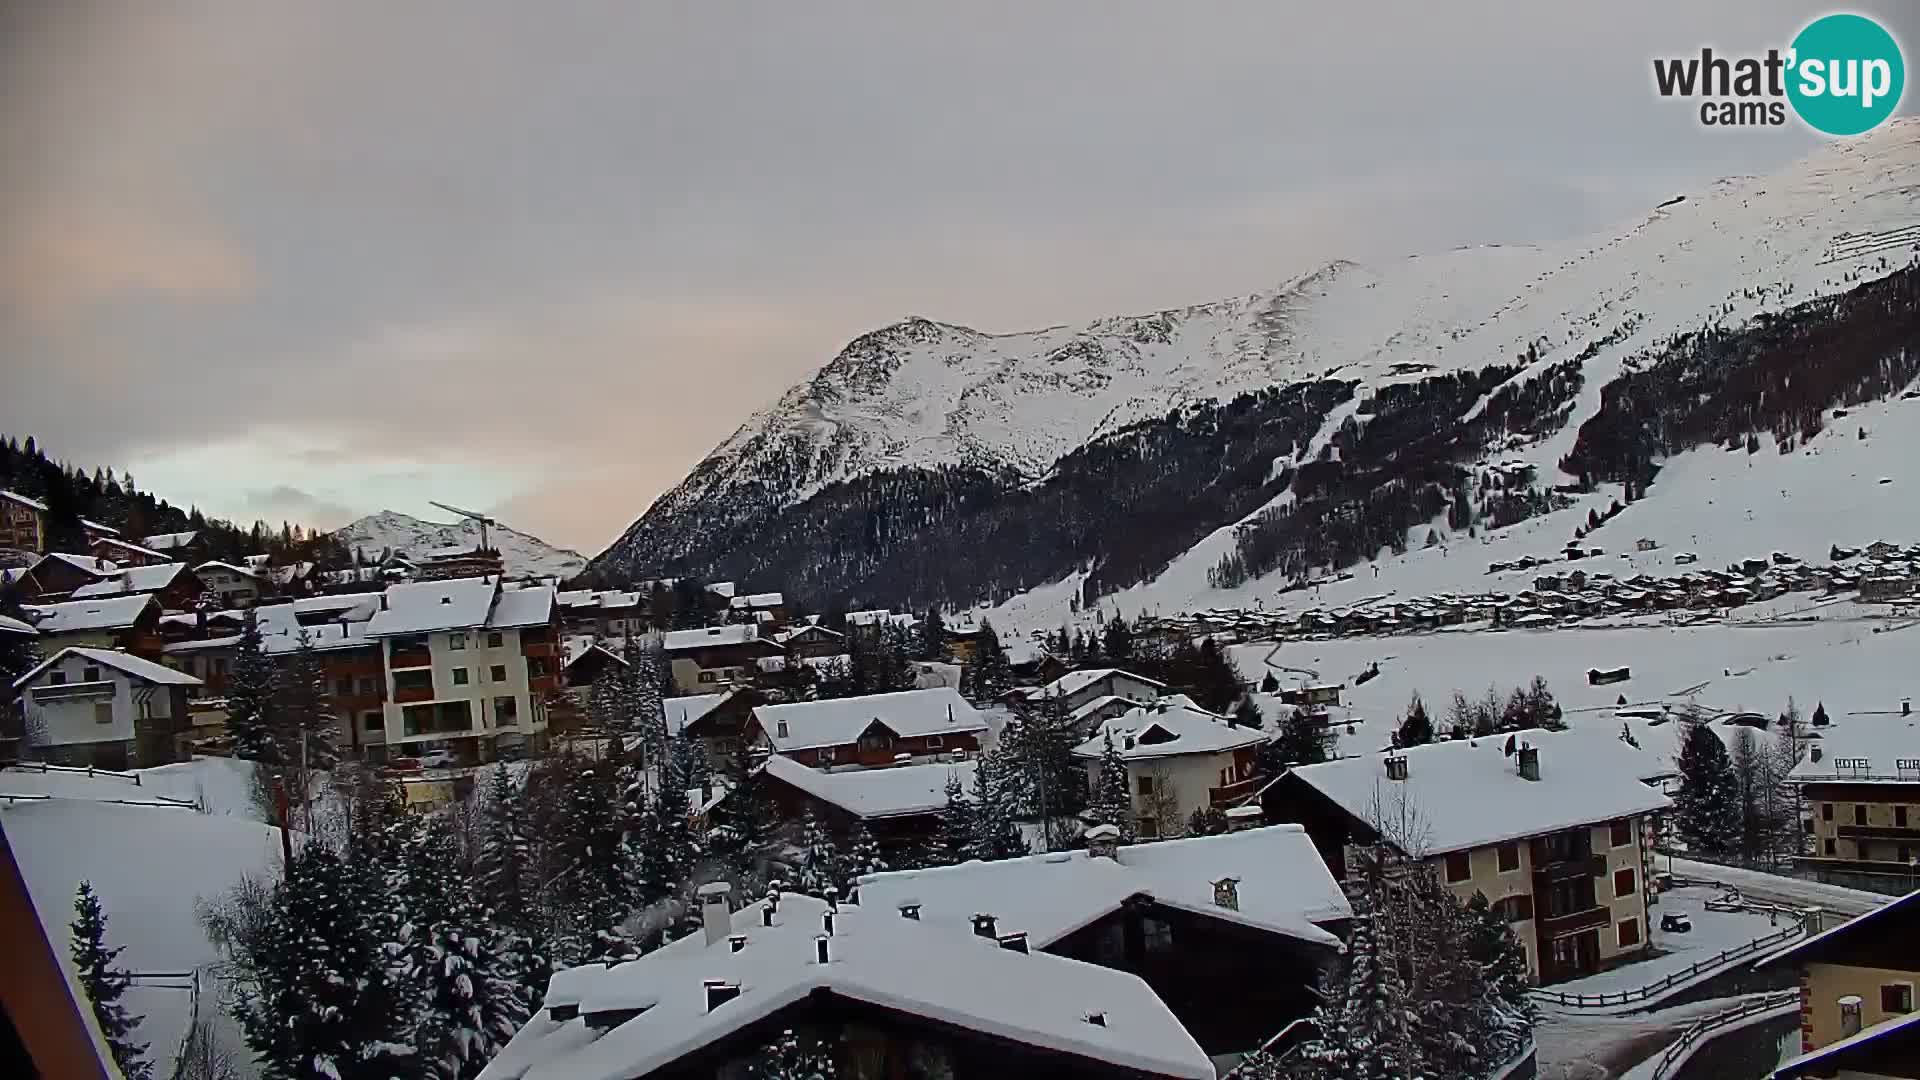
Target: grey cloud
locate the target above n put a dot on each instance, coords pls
(288, 503)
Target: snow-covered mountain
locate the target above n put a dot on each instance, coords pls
(524, 555)
(1013, 411)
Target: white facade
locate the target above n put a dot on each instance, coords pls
(97, 697)
(1167, 790)
(235, 589)
(484, 671)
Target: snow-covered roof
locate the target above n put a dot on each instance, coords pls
(1075, 681)
(1283, 886)
(123, 545)
(1831, 1058)
(721, 589)
(417, 607)
(710, 637)
(1469, 793)
(879, 616)
(14, 496)
(790, 633)
(89, 564)
(132, 665)
(682, 711)
(15, 626)
(216, 564)
(839, 721)
(1166, 729)
(169, 541)
(755, 601)
(1096, 705)
(1872, 750)
(99, 527)
(522, 607)
(895, 791)
(112, 613)
(347, 604)
(280, 631)
(876, 958)
(133, 579)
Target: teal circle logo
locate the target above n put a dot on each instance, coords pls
(1846, 74)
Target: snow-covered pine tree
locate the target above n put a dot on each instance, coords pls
(303, 708)
(1416, 729)
(989, 675)
(105, 983)
(691, 769)
(995, 836)
(1369, 1034)
(1247, 714)
(669, 849)
(643, 716)
(250, 698)
(596, 889)
(1502, 960)
(793, 1056)
(819, 872)
(1216, 682)
(954, 842)
(862, 857)
(1300, 741)
(1112, 800)
(1707, 806)
(506, 884)
(323, 1005)
(932, 643)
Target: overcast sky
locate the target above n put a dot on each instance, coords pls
(309, 260)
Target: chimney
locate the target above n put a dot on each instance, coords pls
(1103, 841)
(736, 942)
(1396, 768)
(1245, 817)
(1097, 1019)
(1226, 893)
(1530, 763)
(715, 915)
(1015, 942)
(719, 992)
(766, 915)
(1815, 754)
(910, 910)
(983, 926)
(781, 726)
(826, 922)
(822, 951)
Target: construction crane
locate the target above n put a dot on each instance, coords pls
(470, 515)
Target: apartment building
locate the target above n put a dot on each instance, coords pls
(1556, 830)
(23, 522)
(469, 665)
(1862, 787)
(1179, 758)
(1858, 977)
(714, 658)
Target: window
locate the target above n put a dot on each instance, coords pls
(1899, 817)
(103, 712)
(496, 639)
(1622, 833)
(459, 676)
(369, 687)
(1829, 846)
(1629, 931)
(219, 665)
(706, 676)
(1509, 858)
(506, 711)
(1516, 908)
(1158, 934)
(1146, 827)
(1896, 997)
(935, 742)
(1859, 813)
(56, 677)
(1145, 785)
(1826, 811)
(536, 667)
(343, 687)
(457, 642)
(371, 721)
(498, 673)
(90, 674)
(1459, 867)
(1623, 883)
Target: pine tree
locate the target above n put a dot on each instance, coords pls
(1301, 740)
(303, 709)
(1112, 801)
(933, 637)
(1707, 806)
(1819, 718)
(862, 857)
(1117, 641)
(819, 872)
(1216, 682)
(250, 698)
(1363, 1019)
(1417, 728)
(793, 1056)
(989, 675)
(995, 836)
(596, 890)
(105, 983)
(1247, 714)
(954, 842)
(505, 882)
(1502, 960)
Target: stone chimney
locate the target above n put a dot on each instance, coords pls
(1226, 893)
(1396, 767)
(1530, 763)
(1241, 818)
(716, 917)
(1103, 841)
(983, 926)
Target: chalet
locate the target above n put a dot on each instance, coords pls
(962, 643)
(767, 608)
(1883, 587)
(1077, 688)
(23, 522)
(716, 657)
(900, 805)
(811, 640)
(1608, 676)
(1861, 784)
(1882, 1052)
(877, 729)
(236, 586)
(116, 550)
(128, 623)
(469, 665)
(188, 547)
(584, 663)
(1564, 851)
(603, 612)
(884, 995)
(452, 563)
(94, 530)
(1310, 697)
(1255, 910)
(1041, 669)
(871, 624)
(720, 721)
(172, 584)
(103, 708)
(1179, 758)
(1857, 978)
(57, 574)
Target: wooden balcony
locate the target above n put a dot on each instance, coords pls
(411, 658)
(1879, 832)
(1553, 926)
(413, 693)
(1222, 797)
(1568, 869)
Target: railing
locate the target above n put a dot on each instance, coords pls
(1672, 979)
(1553, 926)
(1707, 1025)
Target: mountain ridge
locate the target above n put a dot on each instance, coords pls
(522, 553)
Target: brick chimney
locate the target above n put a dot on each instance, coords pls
(716, 917)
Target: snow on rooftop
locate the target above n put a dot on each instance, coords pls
(1866, 749)
(876, 958)
(1167, 729)
(709, 636)
(417, 607)
(133, 579)
(15, 626)
(77, 615)
(119, 661)
(1469, 793)
(90, 564)
(522, 607)
(169, 541)
(127, 545)
(879, 616)
(1075, 681)
(14, 496)
(895, 791)
(721, 589)
(682, 711)
(840, 721)
(1283, 886)
(758, 600)
(352, 603)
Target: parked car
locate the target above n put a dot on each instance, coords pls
(438, 759)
